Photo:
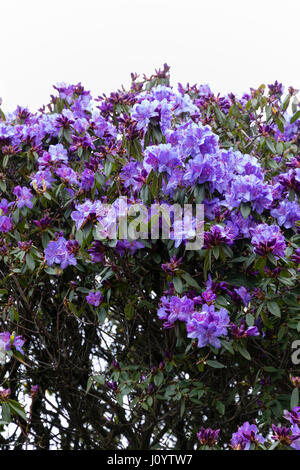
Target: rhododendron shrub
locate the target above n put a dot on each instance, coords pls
(142, 342)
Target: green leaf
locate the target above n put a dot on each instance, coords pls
(182, 408)
(17, 408)
(245, 210)
(129, 311)
(220, 300)
(279, 123)
(295, 398)
(30, 262)
(220, 407)
(243, 351)
(158, 378)
(190, 280)
(6, 415)
(178, 284)
(295, 117)
(274, 308)
(101, 313)
(216, 252)
(89, 384)
(250, 319)
(150, 401)
(215, 364)
(271, 145)
(99, 378)
(279, 147)
(120, 399)
(260, 264)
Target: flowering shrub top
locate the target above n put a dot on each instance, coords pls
(192, 338)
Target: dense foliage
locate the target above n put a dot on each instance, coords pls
(143, 344)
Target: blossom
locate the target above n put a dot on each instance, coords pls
(209, 296)
(293, 416)
(57, 252)
(133, 174)
(287, 436)
(295, 436)
(208, 436)
(4, 394)
(246, 435)
(143, 112)
(94, 298)
(218, 235)
(68, 175)
(43, 223)
(24, 197)
(241, 331)
(56, 155)
(243, 294)
(42, 180)
(175, 308)
(8, 340)
(199, 169)
(249, 189)
(162, 157)
(296, 256)
(268, 239)
(34, 391)
(87, 179)
(208, 325)
(96, 251)
(171, 267)
(4, 206)
(5, 223)
(287, 213)
(132, 246)
(276, 88)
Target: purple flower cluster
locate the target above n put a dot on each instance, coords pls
(175, 308)
(61, 252)
(24, 197)
(208, 437)
(7, 341)
(268, 239)
(287, 213)
(246, 435)
(208, 326)
(94, 298)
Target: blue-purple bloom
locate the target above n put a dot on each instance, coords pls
(218, 235)
(241, 331)
(94, 298)
(287, 436)
(24, 197)
(246, 435)
(250, 189)
(175, 308)
(287, 213)
(87, 179)
(162, 157)
(8, 340)
(5, 223)
(208, 437)
(143, 112)
(243, 294)
(60, 252)
(293, 416)
(208, 325)
(268, 239)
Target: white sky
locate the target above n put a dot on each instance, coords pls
(230, 44)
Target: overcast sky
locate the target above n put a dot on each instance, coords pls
(230, 44)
